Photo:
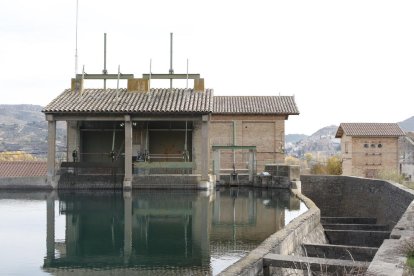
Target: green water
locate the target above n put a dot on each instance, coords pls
(140, 233)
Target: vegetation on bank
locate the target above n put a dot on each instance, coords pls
(329, 166)
(16, 156)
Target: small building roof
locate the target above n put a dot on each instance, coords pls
(369, 130)
(109, 101)
(255, 105)
(23, 168)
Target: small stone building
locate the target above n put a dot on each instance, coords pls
(369, 148)
(165, 137)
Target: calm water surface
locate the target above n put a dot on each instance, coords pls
(138, 233)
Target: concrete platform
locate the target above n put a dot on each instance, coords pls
(367, 227)
(357, 237)
(348, 220)
(343, 252)
(340, 267)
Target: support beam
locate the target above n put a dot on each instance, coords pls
(341, 267)
(127, 226)
(205, 147)
(73, 140)
(171, 76)
(50, 228)
(251, 165)
(128, 153)
(51, 152)
(105, 76)
(217, 164)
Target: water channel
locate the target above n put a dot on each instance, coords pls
(144, 232)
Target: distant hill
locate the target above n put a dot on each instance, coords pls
(322, 142)
(293, 138)
(23, 128)
(408, 124)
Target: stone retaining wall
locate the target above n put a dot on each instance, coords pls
(345, 196)
(390, 203)
(306, 227)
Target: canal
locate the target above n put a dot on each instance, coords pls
(144, 232)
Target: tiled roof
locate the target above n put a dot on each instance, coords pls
(22, 168)
(155, 101)
(369, 129)
(255, 105)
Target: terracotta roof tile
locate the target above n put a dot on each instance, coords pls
(23, 168)
(166, 101)
(156, 101)
(369, 129)
(255, 105)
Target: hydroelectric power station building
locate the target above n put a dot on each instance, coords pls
(163, 138)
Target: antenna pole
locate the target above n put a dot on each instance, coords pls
(83, 76)
(104, 71)
(117, 82)
(150, 76)
(171, 59)
(187, 75)
(76, 38)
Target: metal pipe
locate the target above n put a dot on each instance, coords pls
(117, 82)
(171, 59)
(150, 74)
(81, 83)
(185, 143)
(104, 71)
(187, 74)
(76, 38)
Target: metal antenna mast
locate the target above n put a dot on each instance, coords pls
(171, 59)
(104, 71)
(76, 38)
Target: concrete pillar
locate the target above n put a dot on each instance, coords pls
(128, 153)
(73, 139)
(51, 152)
(217, 164)
(251, 165)
(205, 147)
(201, 212)
(127, 226)
(50, 228)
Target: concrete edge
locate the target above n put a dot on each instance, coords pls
(391, 257)
(284, 241)
(25, 183)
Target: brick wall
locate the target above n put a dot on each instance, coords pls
(265, 132)
(371, 155)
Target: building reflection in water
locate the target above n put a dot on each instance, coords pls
(156, 231)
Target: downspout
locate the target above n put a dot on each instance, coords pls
(234, 143)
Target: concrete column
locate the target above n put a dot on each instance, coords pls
(205, 147)
(50, 228)
(128, 153)
(51, 152)
(201, 226)
(217, 164)
(73, 139)
(251, 165)
(127, 226)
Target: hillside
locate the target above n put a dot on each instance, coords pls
(294, 138)
(322, 142)
(408, 124)
(24, 128)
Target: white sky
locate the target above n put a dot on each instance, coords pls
(345, 61)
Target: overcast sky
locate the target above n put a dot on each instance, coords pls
(344, 61)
